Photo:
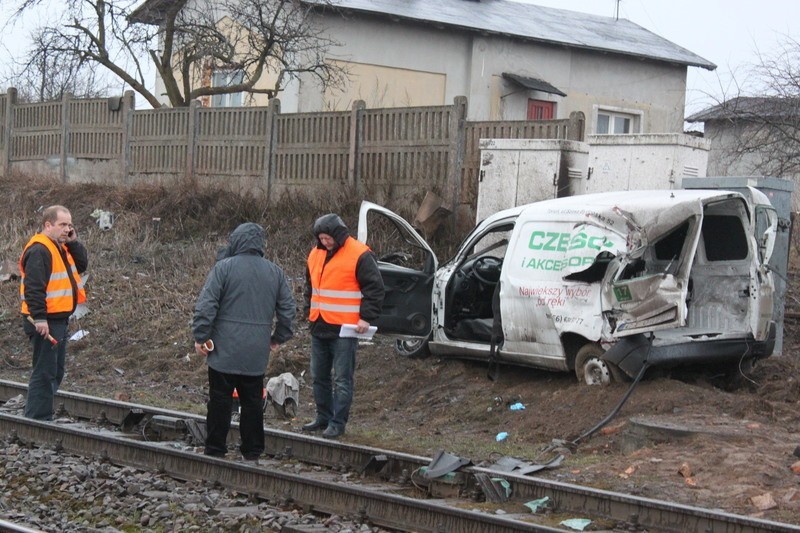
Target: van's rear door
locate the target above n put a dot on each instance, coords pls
(646, 289)
(407, 265)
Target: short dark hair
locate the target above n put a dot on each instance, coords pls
(50, 214)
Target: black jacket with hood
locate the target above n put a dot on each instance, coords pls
(367, 273)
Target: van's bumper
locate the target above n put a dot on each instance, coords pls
(630, 353)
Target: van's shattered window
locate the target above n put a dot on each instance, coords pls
(392, 243)
(724, 238)
(588, 250)
(669, 247)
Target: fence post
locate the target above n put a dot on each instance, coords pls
(62, 165)
(273, 110)
(575, 128)
(191, 140)
(356, 139)
(11, 100)
(128, 105)
(455, 160)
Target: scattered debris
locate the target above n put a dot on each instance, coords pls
(443, 463)
(578, 524)
(496, 490)
(17, 402)
(105, 219)
(78, 335)
(431, 213)
(538, 505)
(628, 472)
(283, 392)
(516, 406)
(516, 466)
(685, 470)
(503, 435)
(9, 270)
(764, 502)
(796, 467)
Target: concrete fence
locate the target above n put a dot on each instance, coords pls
(387, 152)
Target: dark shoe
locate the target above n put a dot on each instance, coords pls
(316, 425)
(333, 432)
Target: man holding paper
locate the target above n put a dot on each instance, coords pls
(343, 288)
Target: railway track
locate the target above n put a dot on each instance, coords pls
(384, 492)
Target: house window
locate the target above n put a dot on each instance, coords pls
(540, 110)
(616, 123)
(226, 78)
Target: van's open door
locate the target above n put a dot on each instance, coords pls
(646, 290)
(407, 265)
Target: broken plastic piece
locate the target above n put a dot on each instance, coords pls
(517, 406)
(537, 505)
(516, 466)
(444, 463)
(501, 436)
(578, 524)
(78, 335)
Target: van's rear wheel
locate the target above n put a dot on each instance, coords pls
(412, 348)
(591, 369)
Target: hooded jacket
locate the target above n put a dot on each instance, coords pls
(366, 272)
(243, 295)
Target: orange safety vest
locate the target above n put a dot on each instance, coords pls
(59, 297)
(335, 292)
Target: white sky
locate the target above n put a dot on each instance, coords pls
(728, 33)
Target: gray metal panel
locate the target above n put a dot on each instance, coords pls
(528, 21)
(779, 191)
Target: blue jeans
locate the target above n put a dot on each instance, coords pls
(333, 363)
(218, 416)
(47, 370)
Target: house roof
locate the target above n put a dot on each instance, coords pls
(533, 83)
(532, 22)
(743, 107)
(503, 17)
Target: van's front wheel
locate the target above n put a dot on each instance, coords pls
(591, 369)
(412, 348)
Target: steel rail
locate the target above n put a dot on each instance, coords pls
(376, 506)
(644, 512)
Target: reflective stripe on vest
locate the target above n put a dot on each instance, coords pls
(59, 297)
(335, 293)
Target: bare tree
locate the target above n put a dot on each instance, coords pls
(263, 42)
(758, 129)
(45, 74)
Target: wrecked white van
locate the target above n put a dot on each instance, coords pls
(602, 284)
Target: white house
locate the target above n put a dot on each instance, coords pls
(512, 60)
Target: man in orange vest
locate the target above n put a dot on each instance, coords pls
(50, 289)
(343, 286)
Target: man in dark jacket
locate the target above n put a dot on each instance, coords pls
(243, 294)
(343, 286)
(51, 288)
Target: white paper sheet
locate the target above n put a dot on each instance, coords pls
(349, 330)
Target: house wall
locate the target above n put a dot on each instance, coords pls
(724, 161)
(402, 63)
(397, 60)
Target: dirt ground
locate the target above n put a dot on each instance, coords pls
(728, 447)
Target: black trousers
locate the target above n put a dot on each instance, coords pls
(218, 417)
